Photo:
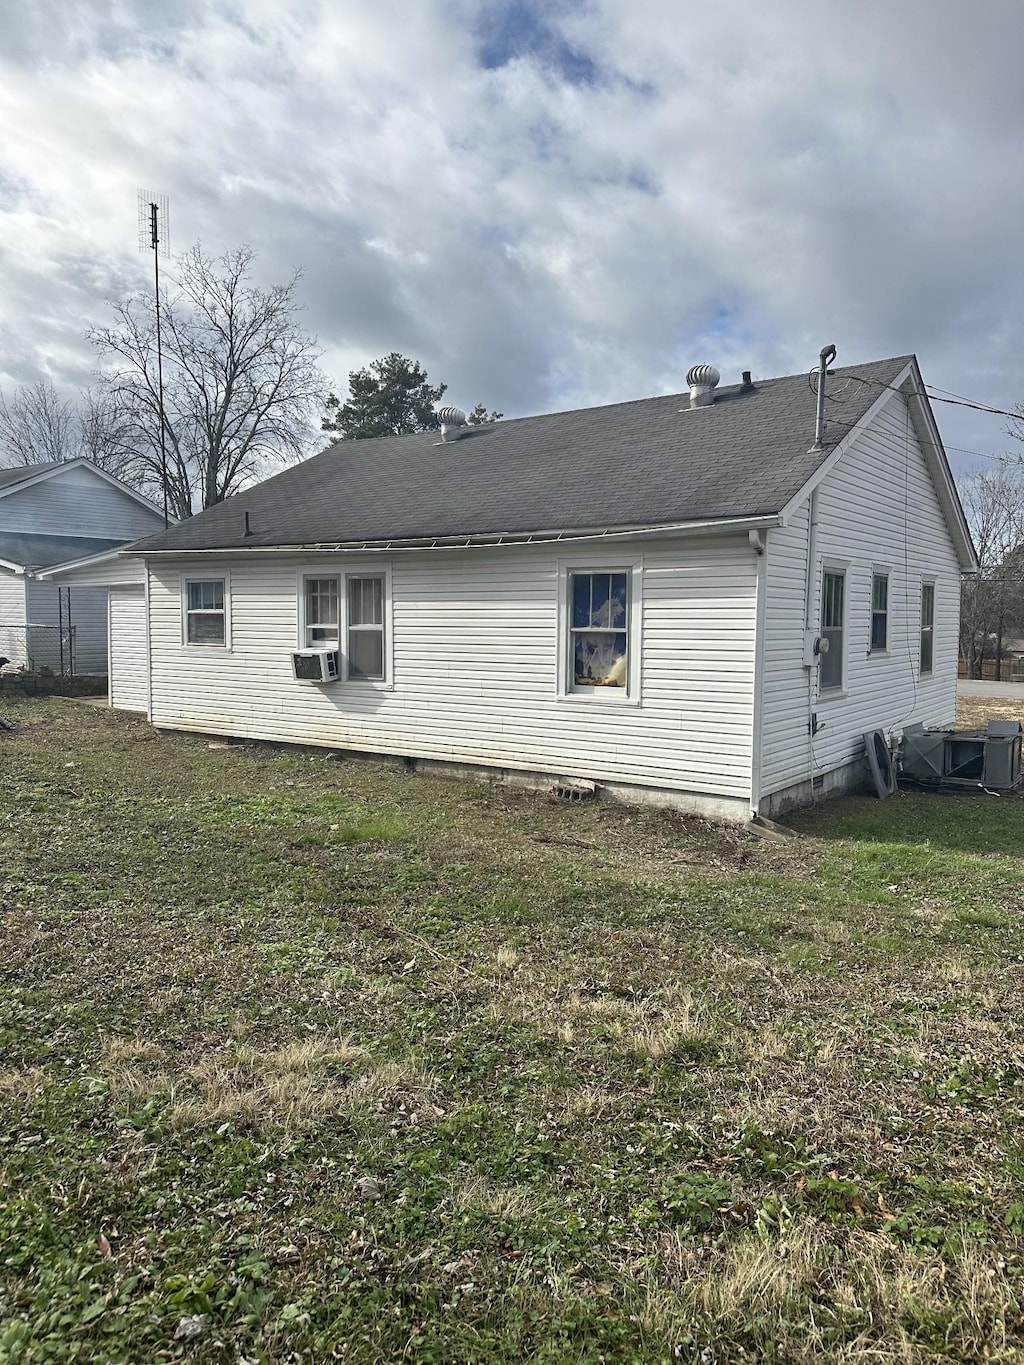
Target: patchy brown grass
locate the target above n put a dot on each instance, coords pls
(351, 1063)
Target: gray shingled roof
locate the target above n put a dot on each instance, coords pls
(636, 464)
(43, 552)
(24, 471)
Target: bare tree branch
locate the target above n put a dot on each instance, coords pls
(241, 380)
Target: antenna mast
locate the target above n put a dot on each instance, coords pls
(155, 236)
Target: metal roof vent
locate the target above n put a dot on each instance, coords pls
(702, 380)
(453, 422)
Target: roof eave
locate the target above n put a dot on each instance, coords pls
(707, 525)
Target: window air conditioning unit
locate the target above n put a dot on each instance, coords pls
(315, 665)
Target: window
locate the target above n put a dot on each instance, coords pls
(321, 613)
(366, 627)
(599, 629)
(349, 613)
(833, 606)
(205, 620)
(927, 626)
(879, 612)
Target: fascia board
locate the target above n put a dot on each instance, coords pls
(927, 431)
(90, 561)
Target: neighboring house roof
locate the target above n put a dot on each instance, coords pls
(639, 465)
(15, 480)
(21, 472)
(40, 552)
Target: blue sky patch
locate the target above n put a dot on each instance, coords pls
(518, 28)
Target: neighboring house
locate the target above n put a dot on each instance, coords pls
(633, 594)
(52, 514)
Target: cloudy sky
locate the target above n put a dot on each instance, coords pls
(548, 202)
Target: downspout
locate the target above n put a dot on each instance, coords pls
(810, 628)
(149, 651)
(759, 541)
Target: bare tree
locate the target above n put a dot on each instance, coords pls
(106, 433)
(241, 381)
(992, 603)
(38, 426)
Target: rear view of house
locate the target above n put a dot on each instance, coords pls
(703, 599)
(50, 515)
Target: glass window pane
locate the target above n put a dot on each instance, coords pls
(580, 600)
(599, 658)
(366, 601)
(831, 674)
(880, 592)
(207, 596)
(618, 598)
(879, 630)
(600, 586)
(206, 628)
(832, 602)
(928, 604)
(366, 654)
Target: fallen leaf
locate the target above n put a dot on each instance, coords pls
(104, 1247)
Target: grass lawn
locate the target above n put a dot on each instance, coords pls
(311, 1060)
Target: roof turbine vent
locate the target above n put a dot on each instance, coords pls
(452, 422)
(702, 380)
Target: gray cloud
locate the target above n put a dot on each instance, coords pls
(547, 205)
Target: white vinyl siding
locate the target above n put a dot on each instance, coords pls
(872, 508)
(477, 657)
(13, 615)
(129, 690)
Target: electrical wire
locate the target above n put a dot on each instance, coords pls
(957, 400)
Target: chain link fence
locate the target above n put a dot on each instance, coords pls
(39, 648)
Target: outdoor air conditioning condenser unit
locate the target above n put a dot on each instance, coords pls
(315, 665)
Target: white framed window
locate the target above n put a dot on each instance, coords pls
(205, 612)
(833, 629)
(599, 630)
(927, 627)
(879, 612)
(349, 612)
(365, 656)
(322, 613)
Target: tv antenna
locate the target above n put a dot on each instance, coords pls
(155, 236)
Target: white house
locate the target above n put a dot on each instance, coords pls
(52, 514)
(634, 594)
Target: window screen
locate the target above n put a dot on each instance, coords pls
(599, 629)
(204, 612)
(366, 628)
(833, 608)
